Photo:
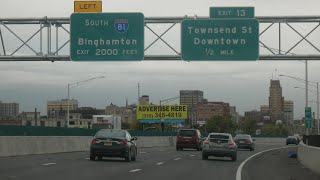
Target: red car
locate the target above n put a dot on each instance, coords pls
(189, 138)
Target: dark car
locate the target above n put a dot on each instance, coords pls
(244, 141)
(189, 138)
(292, 140)
(113, 143)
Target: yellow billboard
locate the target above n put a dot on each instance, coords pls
(87, 6)
(167, 112)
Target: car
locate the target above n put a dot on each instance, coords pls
(292, 140)
(189, 138)
(113, 143)
(244, 141)
(219, 145)
(298, 137)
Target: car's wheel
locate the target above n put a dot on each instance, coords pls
(92, 157)
(234, 157)
(177, 148)
(204, 156)
(100, 158)
(251, 148)
(128, 158)
(134, 158)
(181, 149)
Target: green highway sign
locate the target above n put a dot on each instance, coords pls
(220, 39)
(231, 12)
(308, 117)
(107, 36)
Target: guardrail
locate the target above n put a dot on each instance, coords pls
(309, 156)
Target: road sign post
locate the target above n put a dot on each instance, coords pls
(308, 117)
(220, 39)
(107, 36)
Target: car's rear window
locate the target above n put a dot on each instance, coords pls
(188, 133)
(242, 137)
(111, 134)
(218, 136)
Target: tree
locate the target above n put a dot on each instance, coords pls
(250, 126)
(221, 124)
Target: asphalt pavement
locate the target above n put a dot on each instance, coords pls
(156, 163)
(276, 165)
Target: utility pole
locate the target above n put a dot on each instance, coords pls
(138, 93)
(35, 117)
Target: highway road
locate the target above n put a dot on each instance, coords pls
(156, 163)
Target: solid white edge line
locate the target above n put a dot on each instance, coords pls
(47, 164)
(159, 163)
(134, 170)
(176, 159)
(239, 170)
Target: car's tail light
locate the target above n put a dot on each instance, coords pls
(95, 141)
(123, 142)
(206, 142)
(179, 138)
(232, 144)
(195, 138)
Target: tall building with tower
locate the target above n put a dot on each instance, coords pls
(144, 100)
(275, 101)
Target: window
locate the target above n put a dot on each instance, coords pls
(71, 123)
(58, 124)
(42, 123)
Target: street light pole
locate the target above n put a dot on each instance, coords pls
(318, 107)
(76, 84)
(307, 131)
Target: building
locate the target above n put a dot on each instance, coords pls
(264, 109)
(234, 114)
(58, 109)
(207, 110)
(144, 100)
(288, 112)
(106, 121)
(114, 109)
(253, 115)
(88, 112)
(191, 98)
(275, 101)
(9, 110)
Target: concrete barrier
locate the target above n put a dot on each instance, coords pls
(27, 145)
(309, 156)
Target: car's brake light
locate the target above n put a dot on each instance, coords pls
(123, 142)
(206, 142)
(231, 143)
(95, 141)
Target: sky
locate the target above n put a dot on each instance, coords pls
(242, 84)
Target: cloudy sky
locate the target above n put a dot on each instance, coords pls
(242, 84)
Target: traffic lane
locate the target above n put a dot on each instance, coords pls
(276, 165)
(76, 165)
(191, 167)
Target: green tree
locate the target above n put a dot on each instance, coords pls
(221, 124)
(250, 126)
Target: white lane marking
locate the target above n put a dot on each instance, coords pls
(48, 164)
(192, 155)
(176, 159)
(87, 158)
(143, 152)
(161, 150)
(238, 177)
(134, 170)
(159, 163)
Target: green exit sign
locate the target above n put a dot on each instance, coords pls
(107, 36)
(231, 12)
(308, 117)
(220, 39)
